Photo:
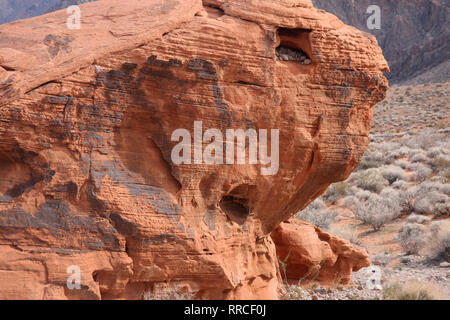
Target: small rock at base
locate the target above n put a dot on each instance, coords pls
(405, 260)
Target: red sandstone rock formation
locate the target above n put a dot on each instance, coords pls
(86, 117)
(309, 253)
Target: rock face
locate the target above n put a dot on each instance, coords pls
(87, 177)
(414, 35)
(309, 253)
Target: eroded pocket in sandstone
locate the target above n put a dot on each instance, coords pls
(294, 45)
(237, 203)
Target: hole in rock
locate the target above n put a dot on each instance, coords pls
(294, 46)
(237, 203)
(14, 175)
(95, 276)
(214, 12)
(235, 208)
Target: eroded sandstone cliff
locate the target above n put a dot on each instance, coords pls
(86, 118)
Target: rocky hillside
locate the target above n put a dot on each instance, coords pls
(414, 35)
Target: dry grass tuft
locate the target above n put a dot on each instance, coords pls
(412, 290)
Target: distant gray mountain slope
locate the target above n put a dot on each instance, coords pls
(414, 34)
(12, 10)
(66, 3)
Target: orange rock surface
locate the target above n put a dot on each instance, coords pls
(310, 253)
(86, 117)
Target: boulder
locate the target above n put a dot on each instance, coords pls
(93, 203)
(308, 253)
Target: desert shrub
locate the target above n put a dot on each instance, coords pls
(407, 200)
(429, 186)
(370, 179)
(393, 173)
(432, 202)
(442, 209)
(414, 152)
(392, 151)
(423, 205)
(440, 163)
(438, 178)
(337, 191)
(427, 197)
(352, 202)
(415, 218)
(402, 164)
(363, 194)
(439, 241)
(168, 294)
(434, 152)
(317, 204)
(376, 214)
(318, 214)
(389, 146)
(443, 187)
(345, 232)
(412, 290)
(412, 237)
(443, 176)
(371, 160)
(420, 172)
(368, 164)
(377, 155)
(401, 152)
(375, 211)
(381, 259)
(393, 200)
(425, 140)
(400, 185)
(419, 157)
(292, 292)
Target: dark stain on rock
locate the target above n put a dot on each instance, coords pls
(205, 69)
(161, 238)
(154, 61)
(56, 218)
(19, 189)
(124, 227)
(56, 43)
(26, 169)
(8, 82)
(71, 189)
